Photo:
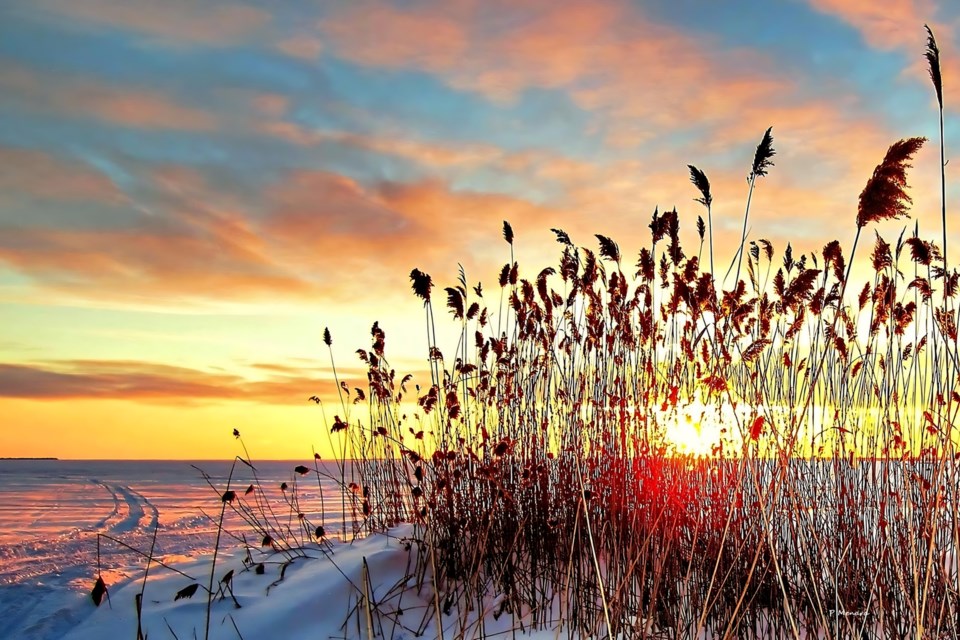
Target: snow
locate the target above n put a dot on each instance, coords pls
(318, 595)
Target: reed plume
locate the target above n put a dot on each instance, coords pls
(761, 159)
(507, 232)
(609, 248)
(884, 197)
(761, 162)
(932, 54)
(700, 181)
(562, 237)
(422, 284)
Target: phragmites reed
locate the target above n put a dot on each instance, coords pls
(700, 181)
(507, 232)
(422, 284)
(932, 55)
(608, 248)
(885, 197)
(562, 237)
(761, 160)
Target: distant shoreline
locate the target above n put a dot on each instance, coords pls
(29, 458)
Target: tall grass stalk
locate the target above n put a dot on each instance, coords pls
(761, 162)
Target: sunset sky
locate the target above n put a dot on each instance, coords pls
(190, 191)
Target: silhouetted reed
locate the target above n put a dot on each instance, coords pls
(540, 468)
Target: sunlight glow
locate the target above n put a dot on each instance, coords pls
(700, 429)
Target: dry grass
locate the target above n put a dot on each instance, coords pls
(539, 465)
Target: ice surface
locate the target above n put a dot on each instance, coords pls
(52, 511)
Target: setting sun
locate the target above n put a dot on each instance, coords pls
(687, 436)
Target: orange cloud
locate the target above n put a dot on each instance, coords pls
(428, 154)
(421, 38)
(141, 265)
(581, 46)
(65, 95)
(375, 235)
(160, 383)
(321, 236)
(315, 236)
(196, 244)
(149, 382)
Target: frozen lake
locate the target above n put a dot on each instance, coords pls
(51, 512)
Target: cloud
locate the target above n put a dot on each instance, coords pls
(434, 155)
(31, 173)
(898, 26)
(304, 46)
(270, 104)
(143, 381)
(640, 83)
(319, 236)
(379, 34)
(370, 235)
(113, 380)
(161, 383)
(172, 21)
(33, 92)
(308, 236)
(607, 55)
(144, 264)
(891, 25)
(194, 243)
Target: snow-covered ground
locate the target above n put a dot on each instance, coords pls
(319, 595)
(52, 511)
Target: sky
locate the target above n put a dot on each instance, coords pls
(190, 192)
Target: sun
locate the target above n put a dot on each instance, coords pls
(687, 436)
(696, 429)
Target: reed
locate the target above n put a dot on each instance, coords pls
(545, 477)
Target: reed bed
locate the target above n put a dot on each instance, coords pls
(539, 466)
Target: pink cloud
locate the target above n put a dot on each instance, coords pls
(271, 104)
(142, 108)
(31, 173)
(196, 245)
(899, 26)
(315, 236)
(397, 38)
(304, 46)
(884, 25)
(639, 79)
(138, 264)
